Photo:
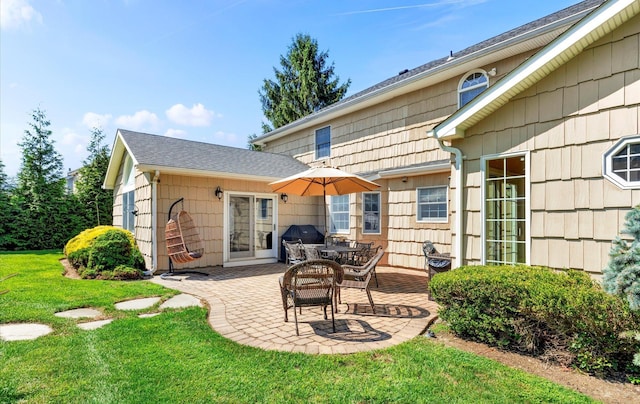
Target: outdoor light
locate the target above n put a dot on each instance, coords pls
(219, 193)
(284, 197)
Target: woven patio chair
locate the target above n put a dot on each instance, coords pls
(294, 251)
(358, 277)
(434, 262)
(183, 242)
(310, 283)
(311, 253)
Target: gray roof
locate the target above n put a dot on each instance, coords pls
(571, 11)
(167, 153)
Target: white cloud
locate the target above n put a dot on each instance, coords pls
(16, 13)
(92, 120)
(198, 115)
(229, 139)
(179, 133)
(139, 120)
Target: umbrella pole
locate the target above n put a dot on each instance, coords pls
(324, 205)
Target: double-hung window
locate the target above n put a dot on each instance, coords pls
(371, 212)
(432, 204)
(339, 209)
(323, 142)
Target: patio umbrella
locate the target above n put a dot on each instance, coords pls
(323, 181)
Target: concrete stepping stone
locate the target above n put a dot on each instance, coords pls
(137, 304)
(180, 301)
(79, 313)
(21, 332)
(92, 325)
(148, 315)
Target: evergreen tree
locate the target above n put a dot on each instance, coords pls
(95, 202)
(40, 189)
(622, 274)
(305, 84)
(252, 146)
(6, 212)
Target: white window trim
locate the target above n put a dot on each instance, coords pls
(527, 201)
(348, 230)
(607, 162)
(379, 213)
(315, 144)
(433, 220)
(464, 78)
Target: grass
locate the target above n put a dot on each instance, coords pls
(177, 357)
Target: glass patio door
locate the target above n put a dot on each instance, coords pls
(505, 213)
(251, 226)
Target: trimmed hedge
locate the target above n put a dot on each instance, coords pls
(563, 316)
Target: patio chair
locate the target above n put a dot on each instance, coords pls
(310, 283)
(294, 251)
(358, 277)
(311, 253)
(434, 262)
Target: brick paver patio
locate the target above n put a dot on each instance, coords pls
(245, 306)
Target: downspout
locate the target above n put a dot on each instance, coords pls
(154, 221)
(459, 187)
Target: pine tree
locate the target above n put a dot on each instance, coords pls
(305, 84)
(40, 189)
(96, 203)
(622, 274)
(6, 212)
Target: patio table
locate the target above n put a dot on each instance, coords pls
(343, 253)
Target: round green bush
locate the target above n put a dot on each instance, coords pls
(561, 315)
(113, 249)
(77, 249)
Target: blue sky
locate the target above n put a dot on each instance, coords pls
(192, 69)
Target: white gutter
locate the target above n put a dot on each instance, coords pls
(457, 261)
(412, 171)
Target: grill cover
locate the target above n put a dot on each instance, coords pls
(307, 233)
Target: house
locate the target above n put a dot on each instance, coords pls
(520, 149)
(225, 191)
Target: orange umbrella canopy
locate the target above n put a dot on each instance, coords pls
(320, 181)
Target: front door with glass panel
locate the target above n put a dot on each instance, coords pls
(251, 226)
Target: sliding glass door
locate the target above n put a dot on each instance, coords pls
(251, 226)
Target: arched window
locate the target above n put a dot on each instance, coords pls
(473, 84)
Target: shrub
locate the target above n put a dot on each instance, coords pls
(112, 249)
(77, 249)
(560, 315)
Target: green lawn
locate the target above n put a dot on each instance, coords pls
(177, 357)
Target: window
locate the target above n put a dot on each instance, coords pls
(432, 204)
(128, 196)
(471, 86)
(371, 212)
(264, 208)
(622, 163)
(339, 210)
(323, 142)
(505, 210)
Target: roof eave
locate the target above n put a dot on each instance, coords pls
(593, 27)
(421, 80)
(204, 173)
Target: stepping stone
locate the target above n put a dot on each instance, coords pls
(92, 325)
(20, 332)
(137, 304)
(180, 301)
(79, 313)
(147, 315)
